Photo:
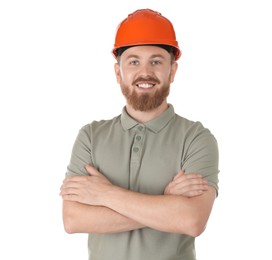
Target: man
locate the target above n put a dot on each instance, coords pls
(142, 184)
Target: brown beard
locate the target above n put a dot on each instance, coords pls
(145, 102)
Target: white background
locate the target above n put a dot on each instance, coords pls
(56, 75)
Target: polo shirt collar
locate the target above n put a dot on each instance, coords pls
(155, 125)
(127, 121)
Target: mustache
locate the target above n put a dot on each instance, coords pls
(147, 79)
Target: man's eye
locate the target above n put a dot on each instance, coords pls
(155, 62)
(134, 62)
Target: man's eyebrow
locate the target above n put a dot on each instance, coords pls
(157, 56)
(151, 57)
(132, 56)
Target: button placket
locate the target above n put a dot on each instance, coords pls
(137, 144)
(136, 154)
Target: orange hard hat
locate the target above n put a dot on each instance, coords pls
(146, 27)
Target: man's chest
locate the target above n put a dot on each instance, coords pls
(138, 160)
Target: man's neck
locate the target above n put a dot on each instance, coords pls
(143, 117)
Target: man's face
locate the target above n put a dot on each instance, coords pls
(145, 74)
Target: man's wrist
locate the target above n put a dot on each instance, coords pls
(113, 195)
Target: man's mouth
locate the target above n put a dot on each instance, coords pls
(145, 85)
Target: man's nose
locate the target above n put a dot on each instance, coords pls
(146, 70)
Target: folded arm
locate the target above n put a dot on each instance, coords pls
(169, 213)
(82, 218)
(93, 205)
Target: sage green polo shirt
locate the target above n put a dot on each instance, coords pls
(145, 158)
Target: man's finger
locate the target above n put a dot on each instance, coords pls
(70, 197)
(91, 170)
(179, 174)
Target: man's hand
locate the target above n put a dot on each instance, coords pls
(92, 189)
(188, 185)
(86, 189)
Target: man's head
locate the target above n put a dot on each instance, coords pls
(146, 51)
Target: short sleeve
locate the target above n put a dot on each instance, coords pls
(202, 155)
(81, 153)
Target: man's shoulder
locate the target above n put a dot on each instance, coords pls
(192, 128)
(187, 123)
(98, 125)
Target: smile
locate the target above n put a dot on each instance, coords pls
(145, 85)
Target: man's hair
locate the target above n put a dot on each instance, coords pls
(168, 48)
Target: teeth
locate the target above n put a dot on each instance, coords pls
(145, 85)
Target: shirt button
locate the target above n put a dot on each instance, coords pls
(140, 127)
(138, 138)
(135, 149)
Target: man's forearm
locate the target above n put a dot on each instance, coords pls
(168, 213)
(81, 218)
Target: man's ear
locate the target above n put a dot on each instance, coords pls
(117, 72)
(174, 69)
